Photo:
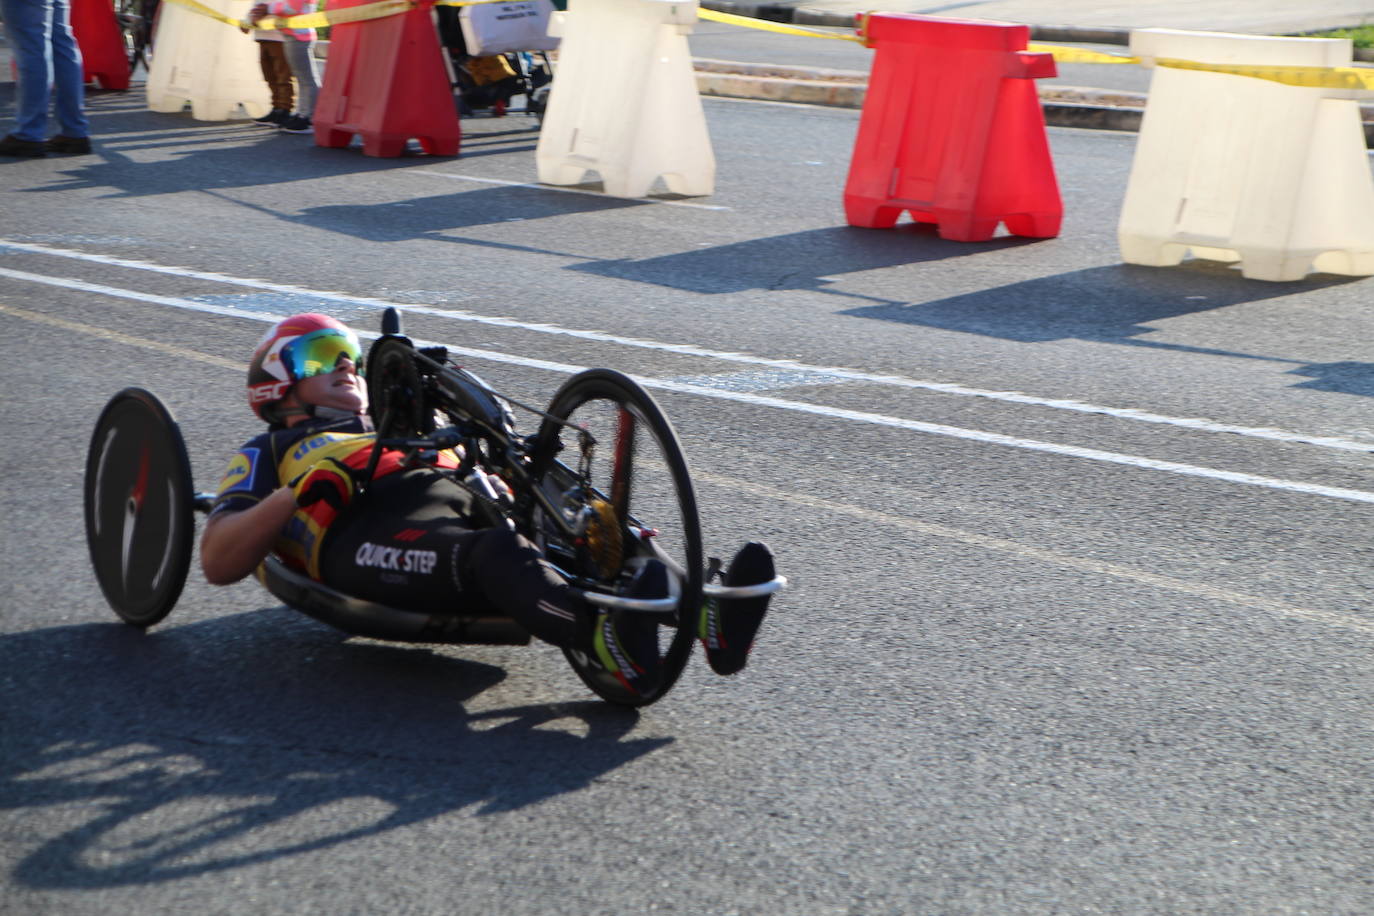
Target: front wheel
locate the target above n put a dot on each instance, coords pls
(607, 452)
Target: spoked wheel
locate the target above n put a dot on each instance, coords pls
(633, 489)
(395, 390)
(139, 507)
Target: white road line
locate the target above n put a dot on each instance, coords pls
(551, 187)
(836, 413)
(825, 372)
(883, 519)
(889, 521)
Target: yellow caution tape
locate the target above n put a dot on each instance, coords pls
(765, 25)
(319, 20)
(379, 10)
(1066, 55)
(1353, 78)
(1305, 77)
(204, 10)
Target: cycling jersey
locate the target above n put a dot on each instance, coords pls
(280, 455)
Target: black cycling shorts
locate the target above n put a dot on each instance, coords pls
(418, 541)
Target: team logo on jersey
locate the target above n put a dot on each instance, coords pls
(239, 474)
(394, 558)
(309, 445)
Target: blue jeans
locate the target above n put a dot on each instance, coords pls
(45, 52)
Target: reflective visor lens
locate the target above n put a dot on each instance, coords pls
(319, 351)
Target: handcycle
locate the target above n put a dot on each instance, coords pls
(601, 487)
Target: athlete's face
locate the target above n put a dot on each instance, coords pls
(341, 389)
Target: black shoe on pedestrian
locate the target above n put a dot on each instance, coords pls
(13, 146)
(274, 118)
(296, 124)
(64, 144)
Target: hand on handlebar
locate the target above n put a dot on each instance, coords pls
(490, 485)
(500, 486)
(329, 480)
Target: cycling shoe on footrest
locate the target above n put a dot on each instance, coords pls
(728, 625)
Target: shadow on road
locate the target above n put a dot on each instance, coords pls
(197, 155)
(425, 216)
(245, 739)
(797, 261)
(1115, 304)
(275, 159)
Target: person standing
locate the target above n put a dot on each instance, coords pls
(46, 56)
(299, 46)
(276, 72)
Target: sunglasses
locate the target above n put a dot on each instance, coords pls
(319, 352)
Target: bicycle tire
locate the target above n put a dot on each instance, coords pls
(621, 409)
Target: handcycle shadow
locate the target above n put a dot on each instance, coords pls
(249, 738)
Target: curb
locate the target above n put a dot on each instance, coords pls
(1064, 106)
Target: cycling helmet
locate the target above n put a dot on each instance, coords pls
(293, 349)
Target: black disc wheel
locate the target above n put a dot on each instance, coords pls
(139, 507)
(395, 390)
(633, 493)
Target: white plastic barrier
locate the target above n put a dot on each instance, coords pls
(1237, 168)
(207, 63)
(624, 101)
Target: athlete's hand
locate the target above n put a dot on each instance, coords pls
(329, 480)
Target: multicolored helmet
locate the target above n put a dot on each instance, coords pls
(296, 348)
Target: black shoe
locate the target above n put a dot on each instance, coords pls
(13, 146)
(296, 124)
(273, 118)
(728, 625)
(626, 642)
(64, 144)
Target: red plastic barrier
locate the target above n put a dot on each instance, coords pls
(103, 55)
(386, 80)
(952, 130)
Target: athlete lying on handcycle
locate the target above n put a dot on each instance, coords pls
(423, 529)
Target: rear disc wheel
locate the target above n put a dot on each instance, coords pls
(139, 507)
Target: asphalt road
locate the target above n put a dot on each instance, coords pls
(1080, 618)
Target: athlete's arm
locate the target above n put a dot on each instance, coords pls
(234, 543)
